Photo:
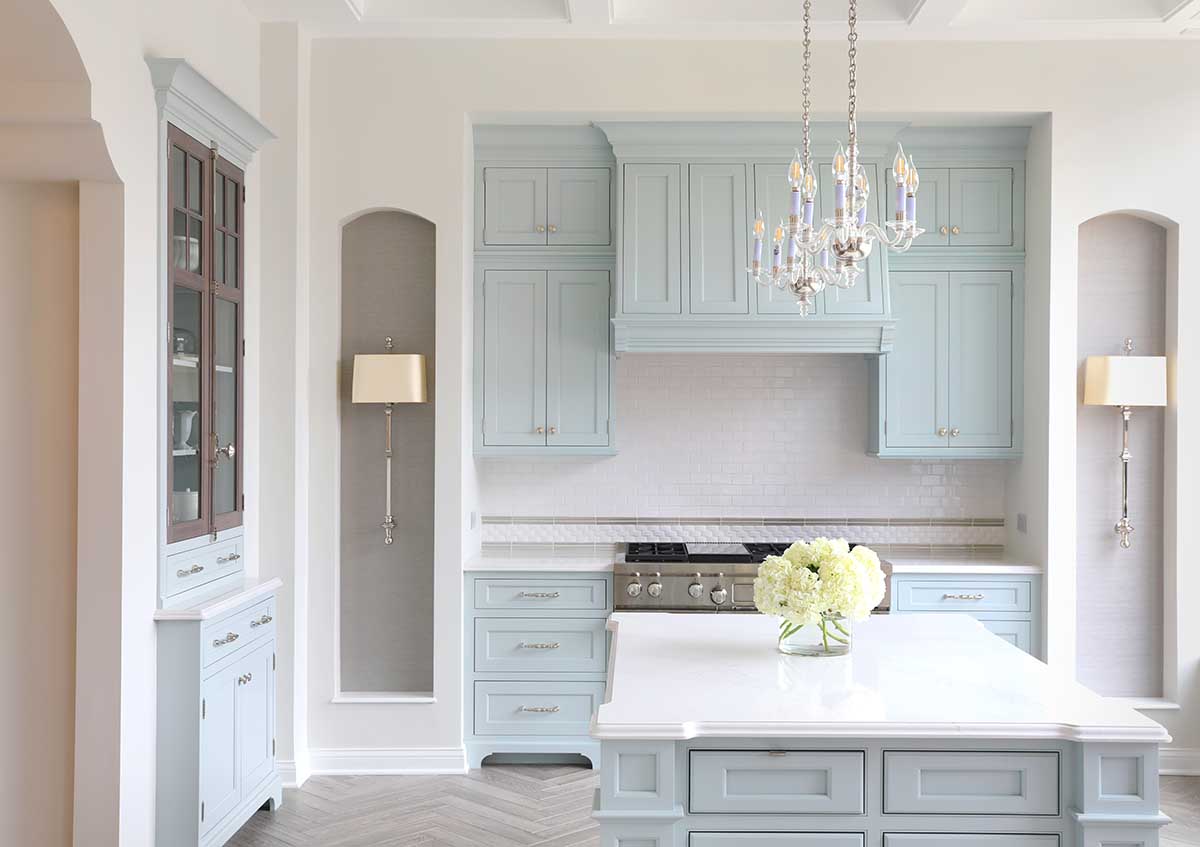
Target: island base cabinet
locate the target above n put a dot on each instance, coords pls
(775, 839)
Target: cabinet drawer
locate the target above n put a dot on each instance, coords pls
(960, 595)
(785, 782)
(536, 708)
(540, 645)
(776, 839)
(229, 634)
(1017, 633)
(967, 783)
(204, 564)
(966, 839)
(538, 594)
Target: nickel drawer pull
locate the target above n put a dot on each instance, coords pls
(540, 595)
(547, 710)
(539, 645)
(263, 621)
(962, 596)
(194, 569)
(232, 557)
(229, 638)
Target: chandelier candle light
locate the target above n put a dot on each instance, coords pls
(832, 254)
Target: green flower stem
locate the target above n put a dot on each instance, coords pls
(825, 635)
(841, 628)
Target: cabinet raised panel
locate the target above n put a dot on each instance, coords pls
(717, 222)
(651, 280)
(980, 370)
(772, 197)
(866, 297)
(577, 359)
(220, 771)
(514, 405)
(514, 206)
(981, 207)
(916, 402)
(577, 207)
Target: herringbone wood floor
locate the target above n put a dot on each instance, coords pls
(503, 806)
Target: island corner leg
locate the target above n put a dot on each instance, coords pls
(1116, 795)
(637, 804)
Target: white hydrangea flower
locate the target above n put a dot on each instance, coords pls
(819, 578)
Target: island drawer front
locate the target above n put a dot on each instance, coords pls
(204, 564)
(775, 839)
(536, 708)
(554, 595)
(970, 783)
(782, 782)
(540, 645)
(956, 595)
(235, 631)
(1017, 633)
(964, 839)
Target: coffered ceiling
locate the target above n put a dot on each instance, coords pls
(970, 20)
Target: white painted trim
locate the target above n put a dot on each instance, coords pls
(384, 697)
(1179, 761)
(291, 774)
(388, 761)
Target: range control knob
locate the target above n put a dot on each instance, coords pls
(719, 595)
(696, 589)
(654, 589)
(634, 589)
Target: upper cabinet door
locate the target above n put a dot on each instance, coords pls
(981, 207)
(577, 207)
(980, 359)
(577, 359)
(256, 716)
(220, 773)
(717, 224)
(514, 339)
(651, 282)
(772, 197)
(866, 297)
(514, 206)
(916, 401)
(933, 205)
(228, 330)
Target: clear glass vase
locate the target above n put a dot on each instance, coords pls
(830, 637)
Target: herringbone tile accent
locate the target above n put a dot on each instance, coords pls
(503, 806)
(497, 806)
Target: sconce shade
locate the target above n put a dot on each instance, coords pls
(389, 378)
(1125, 381)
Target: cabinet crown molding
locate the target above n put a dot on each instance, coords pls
(189, 100)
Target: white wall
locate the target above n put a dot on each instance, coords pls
(39, 287)
(703, 435)
(389, 130)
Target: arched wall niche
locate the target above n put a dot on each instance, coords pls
(1128, 283)
(385, 593)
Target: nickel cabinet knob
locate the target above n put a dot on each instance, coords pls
(941, 431)
(944, 230)
(552, 228)
(554, 430)
(954, 230)
(954, 432)
(540, 228)
(541, 430)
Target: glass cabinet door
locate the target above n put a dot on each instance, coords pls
(204, 382)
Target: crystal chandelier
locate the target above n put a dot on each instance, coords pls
(833, 254)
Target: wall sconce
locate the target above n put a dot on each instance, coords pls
(1125, 381)
(389, 378)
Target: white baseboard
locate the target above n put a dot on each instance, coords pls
(1179, 761)
(385, 761)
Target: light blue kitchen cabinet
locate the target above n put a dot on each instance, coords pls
(577, 358)
(980, 372)
(772, 197)
(545, 364)
(514, 206)
(948, 389)
(555, 207)
(981, 207)
(916, 403)
(717, 233)
(933, 205)
(577, 207)
(514, 360)
(868, 296)
(651, 239)
(1008, 605)
(220, 771)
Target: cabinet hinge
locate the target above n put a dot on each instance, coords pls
(202, 811)
(272, 746)
(885, 426)
(272, 661)
(203, 709)
(243, 502)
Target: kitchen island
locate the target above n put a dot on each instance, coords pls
(933, 732)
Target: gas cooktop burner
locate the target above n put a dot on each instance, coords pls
(735, 553)
(644, 551)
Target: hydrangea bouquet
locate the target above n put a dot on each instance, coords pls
(816, 588)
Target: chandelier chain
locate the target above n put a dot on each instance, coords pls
(852, 38)
(807, 81)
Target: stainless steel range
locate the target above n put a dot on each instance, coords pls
(689, 577)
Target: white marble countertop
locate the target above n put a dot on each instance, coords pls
(217, 605)
(564, 562)
(923, 563)
(912, 676)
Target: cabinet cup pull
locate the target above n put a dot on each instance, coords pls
(954, 230)
(547, 710)
(962, 596)
(539, 645)
(263, 621)
(540, 228)
(229, 638)
(232, 557)
(945, 230)
(540, 595)
(194, 569)
(552, 228)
